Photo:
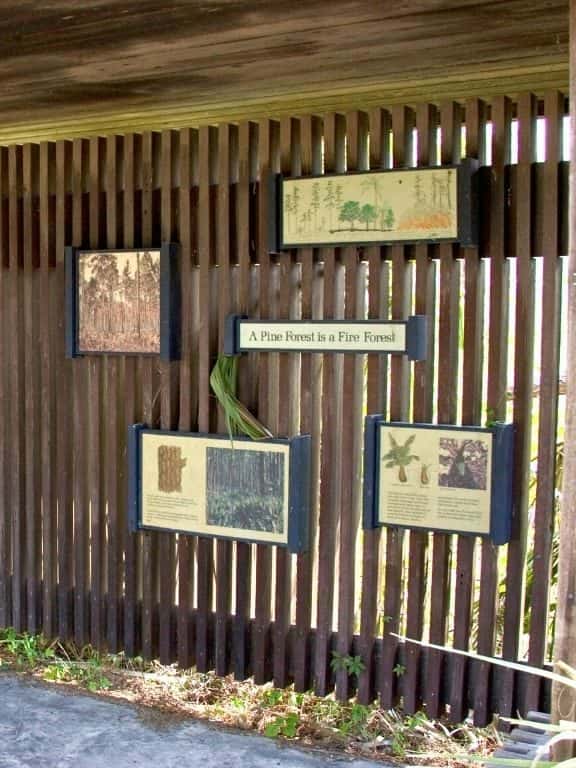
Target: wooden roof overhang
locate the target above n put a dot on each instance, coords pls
(71, 67)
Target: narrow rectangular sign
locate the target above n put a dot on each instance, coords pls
(357, 336)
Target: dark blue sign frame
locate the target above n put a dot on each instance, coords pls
(299, 480)
(170, 300)
(501, 493)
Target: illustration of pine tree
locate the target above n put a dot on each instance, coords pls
(330, 201)
(315, 204)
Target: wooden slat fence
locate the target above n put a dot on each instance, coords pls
(69, 565)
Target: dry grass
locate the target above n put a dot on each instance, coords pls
(301, 718)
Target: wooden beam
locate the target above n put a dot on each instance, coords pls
(564, 699)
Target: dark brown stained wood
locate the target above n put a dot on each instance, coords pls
(311, 163)
(136, 190)
(16, 415)
(474, 287)
(48, 365)
(267, 159)
(523, 394)
(64, 400)
(425, 298)
(450, 152)
(144, 65)
(112, 383)
(132, 541)
(544, 513)
(223, 548)
(334, 131)
(496, 395)
(379, 127)
(168, 401)
(205, 546)
(243, 165)
(80, 429)
(290, 164)
(147, 376)
(96, 425)
(31, 388)
(356, 131)
(186, 543)
(5, 527)
(281, 426)
(402, 123)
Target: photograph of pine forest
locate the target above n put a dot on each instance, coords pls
(245, 489)
(119, 301)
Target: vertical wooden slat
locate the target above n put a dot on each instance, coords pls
(356, 128)
(111, 383)
(64, 396)
(147, 378)
(471, 414)
(423, 388)
(5, 527)
(95, 426)
(310, 163)
(132, 540)
(223, 548)
(15, 414)
(48, 364)
(80, 432)
(243, 550)
(523, 395)
(376, 396)
(185, 543)
(544, 513)
(32, 477)
(261, 633)
(168, 401)
(289, 140)
(334, 133)
(401, 131)
(205, 547)
(496, 397)
(450, 121)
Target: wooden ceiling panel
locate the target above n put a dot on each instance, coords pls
(72, 60)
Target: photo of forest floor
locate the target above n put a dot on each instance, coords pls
(245, 489)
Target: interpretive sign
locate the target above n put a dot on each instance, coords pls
(211, 485)
(410, 205)
(407, 337)
(443, 478)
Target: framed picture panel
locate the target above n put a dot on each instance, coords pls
(123, 302)
(439, 477)
(414, 205)
(212, 485)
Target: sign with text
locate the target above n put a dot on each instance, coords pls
(443, 478)
(381, 336)
(211, 485)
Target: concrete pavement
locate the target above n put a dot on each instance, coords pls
(50, 727)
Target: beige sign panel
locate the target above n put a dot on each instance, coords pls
(215, 487)
(323, 336)
(435, 478)
(371, 207)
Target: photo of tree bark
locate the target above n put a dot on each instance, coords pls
(463, 464)
(245, 489)
(119, 301)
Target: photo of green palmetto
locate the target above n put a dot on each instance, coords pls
(399, 456)
(239, 420)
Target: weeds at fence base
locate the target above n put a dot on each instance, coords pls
(300, 718)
